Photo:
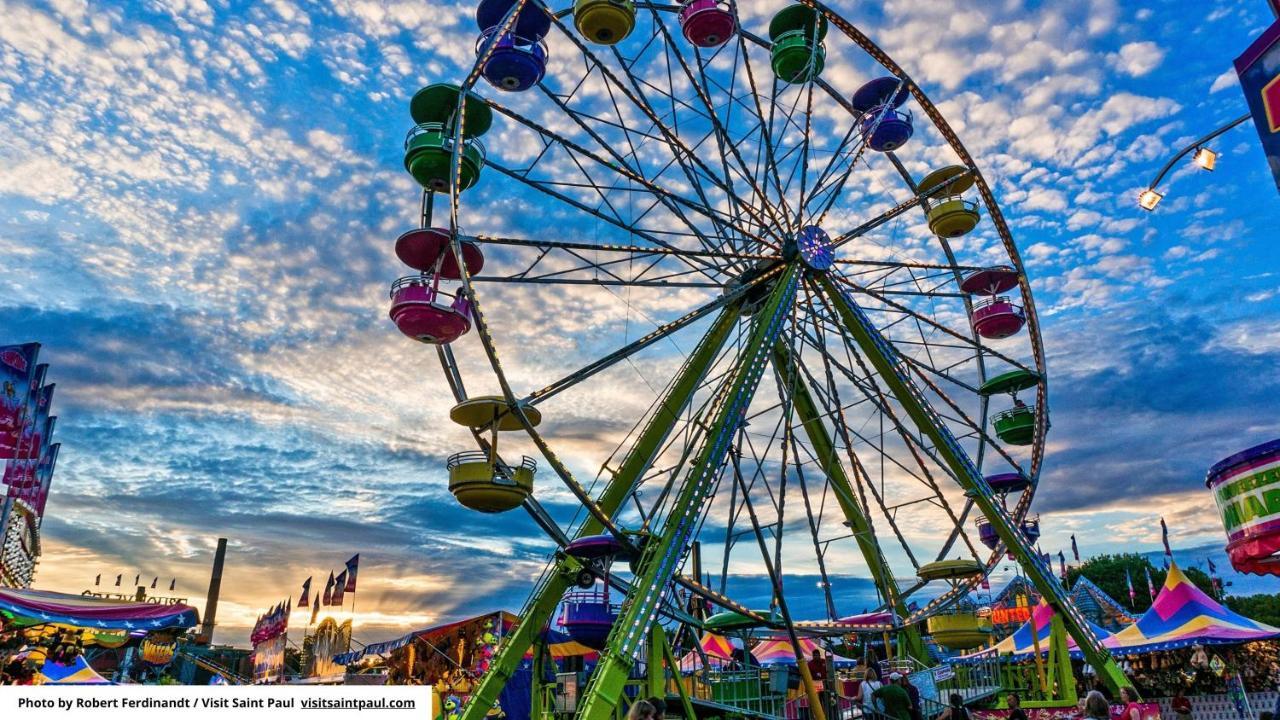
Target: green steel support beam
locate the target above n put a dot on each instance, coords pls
(1060, 657)
(824, 449)
(893, 372)
(546, 596)
(657, 677)
(666, 550)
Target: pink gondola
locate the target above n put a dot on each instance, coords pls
(707, 23)
(997, 318)
(425, 313)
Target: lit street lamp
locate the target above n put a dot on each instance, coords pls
(1204, 158)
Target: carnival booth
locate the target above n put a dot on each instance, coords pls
(62, 632)
(452, 657)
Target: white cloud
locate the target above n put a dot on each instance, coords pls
(1138, 58)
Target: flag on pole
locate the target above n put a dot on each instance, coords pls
(1151, 587)
(1075, 551)
(97, 580)
(136, 578)
(1128, 579)
(35, 431)
(315, 610)
(1164, 536)
(17, 371)
(305, 600)
(328, 590)
(339, 587)
(172, 584)
(118, 578)
(352, 566)
(1062, 565)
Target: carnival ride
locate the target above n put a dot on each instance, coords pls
(667, 165)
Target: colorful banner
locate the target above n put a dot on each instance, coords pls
(1259, 71)
(36, 431)
(1150, 711)
(17, 370)
(268, 659)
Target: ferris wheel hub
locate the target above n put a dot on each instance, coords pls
(811, 246)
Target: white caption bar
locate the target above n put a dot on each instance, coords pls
(278, 702)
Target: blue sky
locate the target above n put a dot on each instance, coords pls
(197, 207)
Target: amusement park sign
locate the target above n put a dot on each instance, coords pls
(1259, 70)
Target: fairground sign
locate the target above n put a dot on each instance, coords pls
(1259, 70)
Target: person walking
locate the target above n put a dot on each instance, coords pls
(1096, 706)
(894, 700)
(1015, 707)
(955, 709)
(867, 692)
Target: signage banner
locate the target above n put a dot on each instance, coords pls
(1259, 71)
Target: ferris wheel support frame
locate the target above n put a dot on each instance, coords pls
(665, 551)
(542, 604)
(891, 370)
(824, 450)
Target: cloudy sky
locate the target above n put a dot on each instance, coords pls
(198, 202)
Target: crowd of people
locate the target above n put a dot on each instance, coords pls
(1196, 670)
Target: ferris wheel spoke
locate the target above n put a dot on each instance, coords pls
(694, 168)
(906, 436)
(769, 155)
(967, 342)
(723, 141)
(978, 428)
(631, 348)
(855, 511)
(884, 217)
(673, 201)
(678, 149)
(829, 404)
(638, 251)
(659, 198)
(709, 268)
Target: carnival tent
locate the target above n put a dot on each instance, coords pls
(1183, 615)
(717, 648)
(1098, 606)
(41, 607)
(780, 652)
(77, 673)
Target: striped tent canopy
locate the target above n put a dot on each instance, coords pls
(1183, 615)
(77, 673)
(779, 651)
(1037, 629)
(40, 607)
(717, 648)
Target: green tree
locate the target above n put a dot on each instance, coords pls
(1108, 573)
(1263, 608)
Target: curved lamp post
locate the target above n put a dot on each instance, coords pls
(1204, 157)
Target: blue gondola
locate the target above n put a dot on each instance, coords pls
(518, 59)
(884, 127)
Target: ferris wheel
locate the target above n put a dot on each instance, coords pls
(739, 284)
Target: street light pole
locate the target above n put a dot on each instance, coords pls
(1149, 198)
